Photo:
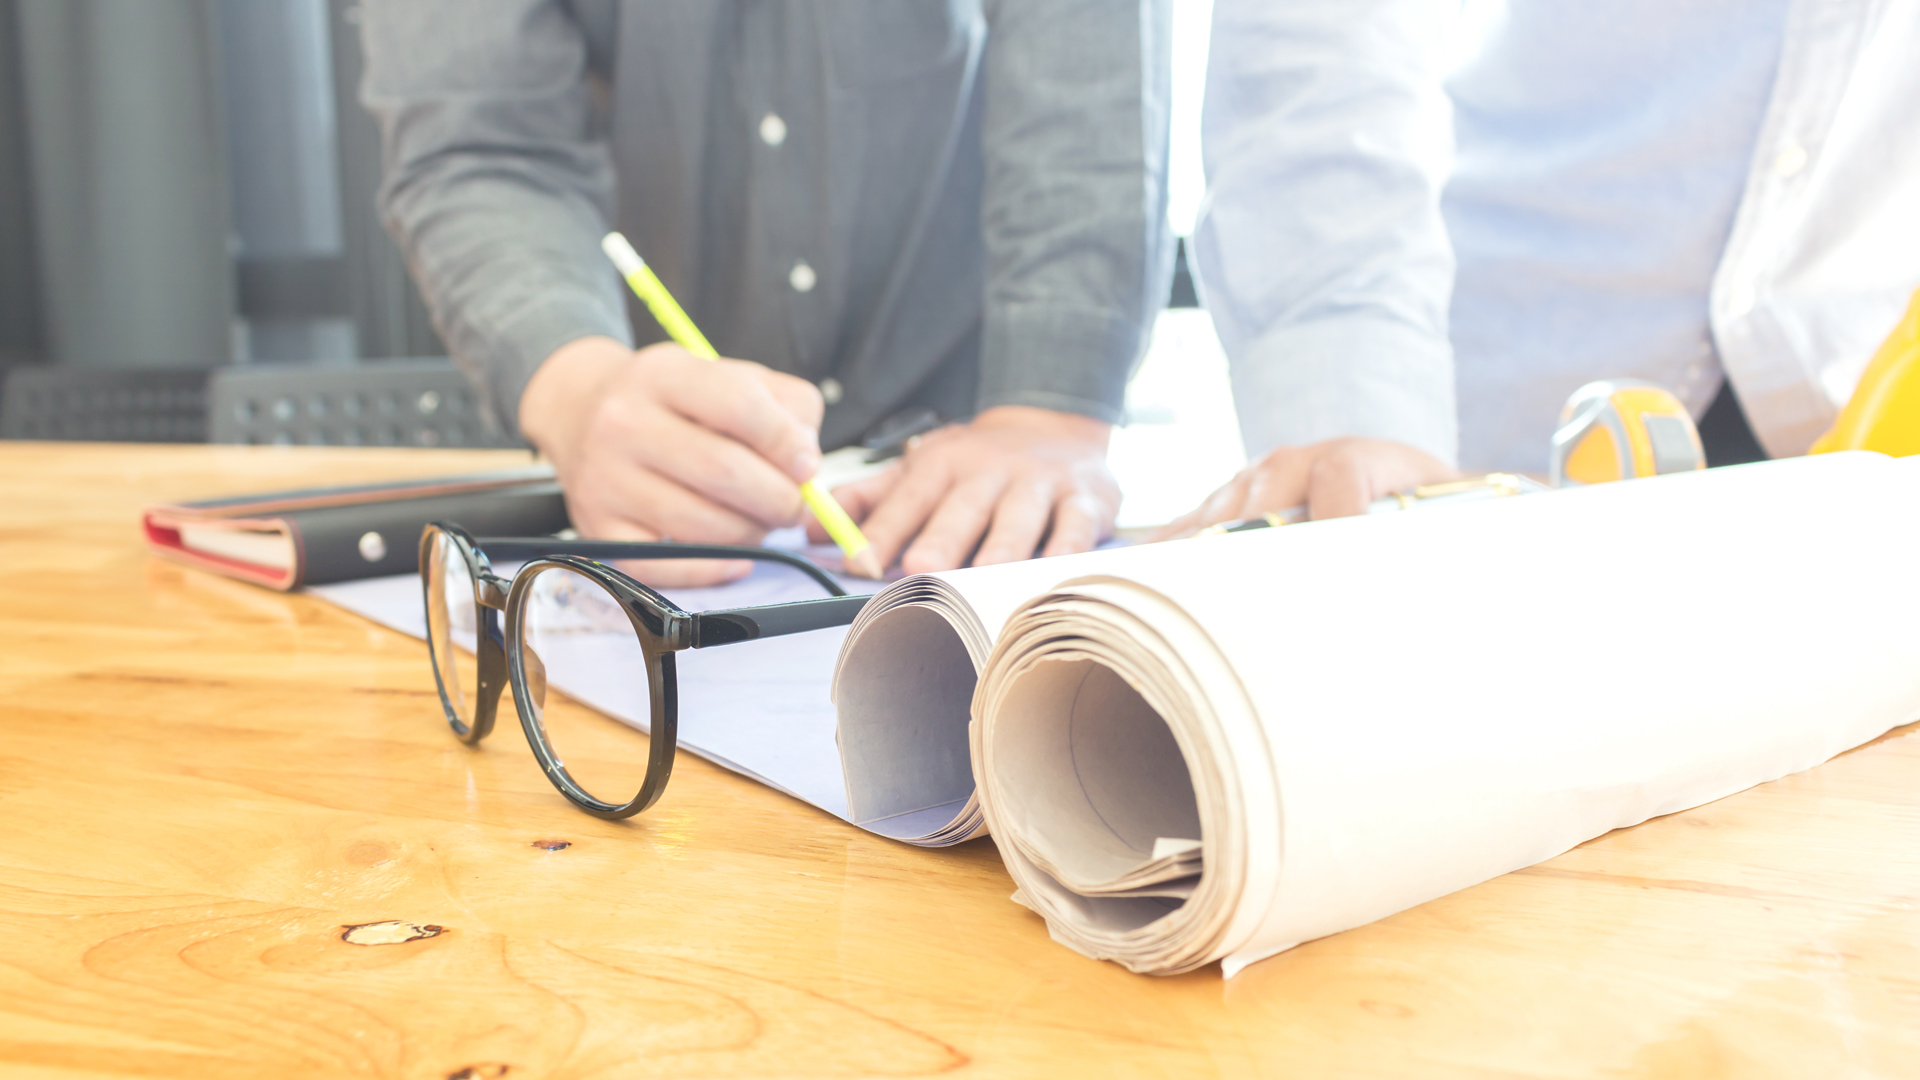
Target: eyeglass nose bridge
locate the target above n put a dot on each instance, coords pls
(492, 593)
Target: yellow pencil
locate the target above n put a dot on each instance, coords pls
(860, 558)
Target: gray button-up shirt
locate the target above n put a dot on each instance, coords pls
(953, 203)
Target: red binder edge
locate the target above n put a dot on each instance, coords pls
(163, 539)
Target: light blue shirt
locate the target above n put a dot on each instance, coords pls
(1660, 189)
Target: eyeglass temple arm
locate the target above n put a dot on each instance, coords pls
(508, 550)
(728, 625)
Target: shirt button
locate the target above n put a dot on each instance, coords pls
(831, 391)
(1790, 160)
(773, 130)
(802, 277)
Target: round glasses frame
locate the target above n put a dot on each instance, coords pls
(661, 626)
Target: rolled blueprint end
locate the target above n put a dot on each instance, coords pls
(1105, 728)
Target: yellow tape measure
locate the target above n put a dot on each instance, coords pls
(1617, 429)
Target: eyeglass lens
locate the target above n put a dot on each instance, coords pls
(576, 634)
(453, 625)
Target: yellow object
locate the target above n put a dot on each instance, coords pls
(670, 314)
(1617, 430)
(674, 320)
(1595, 458)
(1884, 412)
(834, 519)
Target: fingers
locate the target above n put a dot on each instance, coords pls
(1339, 485)
(1225, 504)
(1411, 468)
(1336, 478)
(1277, 482)
(794, 394)
(1179, 528)
(955, 527)
(1079, 522)
(733, 398)
(1019, 521)
(1233, 491)
(610, 498)
(719, 470)
(903, 512)
(998, 483)
(669, 444)
(898, 516)
(1349, 474)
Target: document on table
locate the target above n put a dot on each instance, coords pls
(759, 708)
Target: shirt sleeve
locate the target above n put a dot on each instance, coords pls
(1321, 252)
(497, 187)
(1079, 253)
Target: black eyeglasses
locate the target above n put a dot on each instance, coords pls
(592, 627)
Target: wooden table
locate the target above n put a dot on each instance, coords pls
(203, 783)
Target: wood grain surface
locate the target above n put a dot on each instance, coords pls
(205, 787)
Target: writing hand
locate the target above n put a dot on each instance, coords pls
(659, 444)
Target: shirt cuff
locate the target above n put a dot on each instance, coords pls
(1049, 356)
(503, 354)
(1307, 382)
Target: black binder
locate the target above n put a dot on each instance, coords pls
(313, 536)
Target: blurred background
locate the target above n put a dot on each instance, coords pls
(187, 185)
(189, 249)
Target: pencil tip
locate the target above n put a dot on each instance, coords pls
(864, 563)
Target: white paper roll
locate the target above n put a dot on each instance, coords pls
(1373, 713)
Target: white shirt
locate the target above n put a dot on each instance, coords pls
(1661, 189)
